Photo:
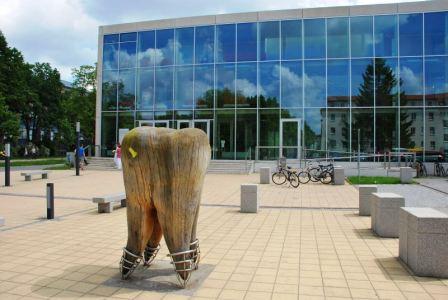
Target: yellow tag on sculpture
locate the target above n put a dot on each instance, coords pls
(132, 151)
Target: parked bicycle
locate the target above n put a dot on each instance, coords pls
(420, 169)
(322, 173)
(285, 174)
(439, 170)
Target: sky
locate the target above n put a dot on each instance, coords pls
(65, 32)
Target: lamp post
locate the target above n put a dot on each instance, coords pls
(78, 131)
(7, 164)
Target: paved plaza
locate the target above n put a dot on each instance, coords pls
(305, 243)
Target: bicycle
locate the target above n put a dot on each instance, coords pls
(420, 169)
(439, 170)
(285, 174)
(322, 173)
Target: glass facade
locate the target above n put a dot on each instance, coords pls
(297, 88)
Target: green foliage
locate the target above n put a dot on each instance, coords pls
(373, 180)
(33, 96)
(35, 162)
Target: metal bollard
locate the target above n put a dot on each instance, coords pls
(50, 201)
(8, 164)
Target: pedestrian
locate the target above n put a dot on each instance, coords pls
(117, 156)
(81, 157)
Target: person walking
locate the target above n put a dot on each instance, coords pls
(81, 155)
(117, 156)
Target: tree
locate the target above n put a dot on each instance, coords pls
(9, 123)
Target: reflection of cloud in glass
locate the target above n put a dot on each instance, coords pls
(314, 89)
(127, 60)
(412, 83)
(313, 119)
(246, 88)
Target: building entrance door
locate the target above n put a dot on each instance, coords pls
(290, 142)
(204, 125)
(154, 123)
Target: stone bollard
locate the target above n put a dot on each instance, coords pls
(423, 240)
(405, 175)
(339, 176)
(385, 209)
(265, 175)
(365, 194)
(249, 198)
(2, 221)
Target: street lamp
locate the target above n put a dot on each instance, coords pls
(78, 131)
(7, 164)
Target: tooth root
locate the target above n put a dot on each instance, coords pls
(166, 171)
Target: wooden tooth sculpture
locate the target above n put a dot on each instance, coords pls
(163, 172)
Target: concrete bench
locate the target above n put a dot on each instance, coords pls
(106, 203)
(2, 221)
(339, 176)
(31, 173)
(406, 174)
(423, 244)
(385, 209)
(249, 198)
(265, 175)
(365, 194)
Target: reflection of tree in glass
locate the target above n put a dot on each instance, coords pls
(109, 95)
(225, 98)
(268, 102)
(125, 98)
(385, 90)
(205, 100)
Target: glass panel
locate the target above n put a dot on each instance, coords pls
(362, 119)
(225, 85)
(108, 133)
(292, 113)
(246, 133)
(146, 48)
(362, 82)
(436, 145)
(269, 84)
(183, 97)
(247, 42)
(246, 85)
(386, 81)
(436, 33)
(315, 83)
(387, 129)
(203, 114)
(291, 39)
(164, 88)
(110, 56)
(436, 79)
(225, 43)
(205, 44)
(411, 37)
(291, 73)
(203, 86)
(411, 133)
(145, 89)
(269, 40)
(225, 134)
(386, 36)
(361, 31)
(125, 121)
(128, 55)
(314, 131)
(128, 37)
(109, 90)
(337, 32)
(110, 38)
(290, 139)
(126, 89)
(163, 115)
(184, 46)
(165, 47)
(183, 115)
(269, 128)
(338, 123)
(314, 35)
(144, 115)
(338, 91)
(411, 76)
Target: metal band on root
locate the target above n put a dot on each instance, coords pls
(133, 264)
(186, 261)
(150, 254)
